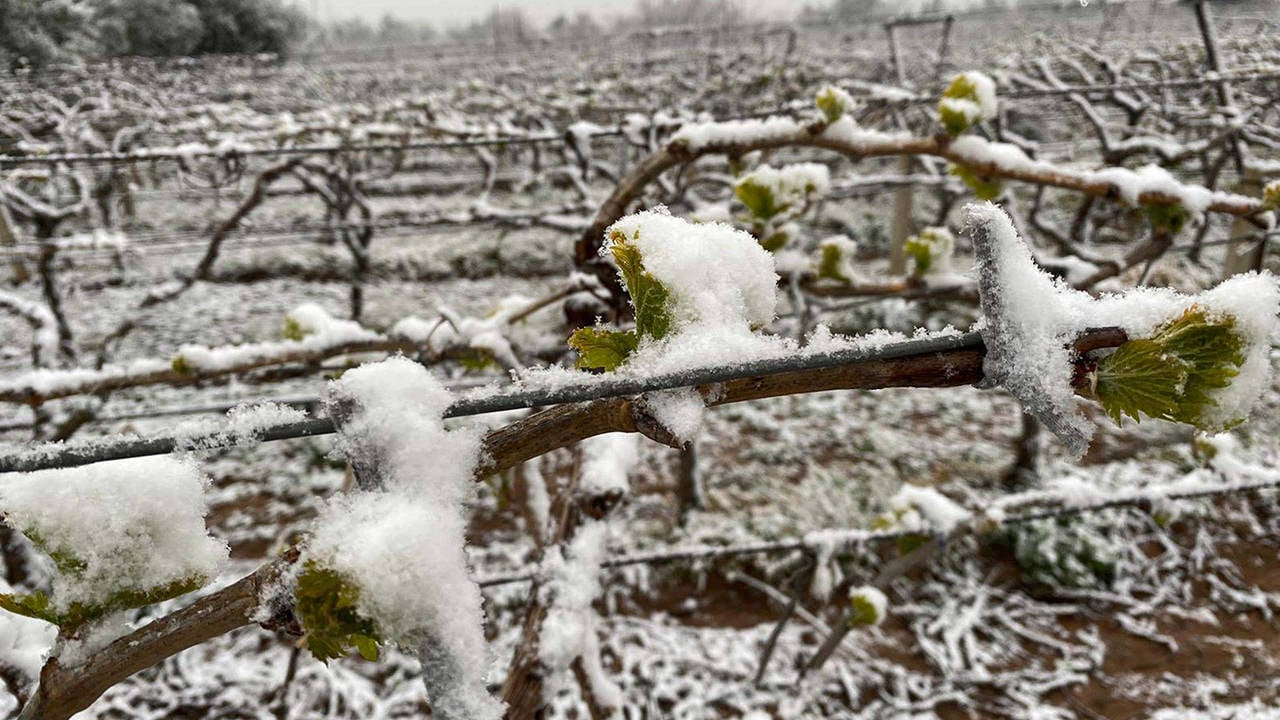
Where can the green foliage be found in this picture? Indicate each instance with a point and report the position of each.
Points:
(1065, 552)
(604, 349)
(775, 242)
(865, 611)
(829, 264)
(920, 253)
(832, 103)
(757, 198)
(1173, 374)
(40, 606)
(893, 521)
(182, 366)
(649, 298)
(984, 188)
(1271, 196)
(951, 114)
(1171, 218)
(36, 605)
(601, 348)
(479, 360)
(326, 603)
(293, 330)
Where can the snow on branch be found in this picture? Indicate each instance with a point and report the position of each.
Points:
(395, 550)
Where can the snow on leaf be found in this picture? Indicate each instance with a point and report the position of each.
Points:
(649, 297)
(869, 605)
(122, 534)
(833, 103)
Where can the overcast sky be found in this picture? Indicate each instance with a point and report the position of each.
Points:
(447, 13)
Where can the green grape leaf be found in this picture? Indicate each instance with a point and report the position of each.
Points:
(478, 360)
(864, 612)
(958, 105)
(831, 103)
(36, 605)
(1213, 352)
(601, 348)
(327, 605)
(983, 187)
(921, 254)
(829, 264)
(953, 121)
(649, 297)
(1271, 196)
(1173, 374)
(293, 330)
(1171, 218)
(1139, 378)
(757, 198)
(774, 242)
(182, 366)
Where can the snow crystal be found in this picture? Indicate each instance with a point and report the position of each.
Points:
(1031, 317)
(129, 524)
(244, 425)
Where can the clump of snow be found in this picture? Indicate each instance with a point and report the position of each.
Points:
(1032, 317)
(395, 423)
(402, 539)
(721, 283)
(926, 509)
(569, 629)
(700, 136)
(847, 132)
(791, 185)
(680, 411)
(320, 331)
(128, 525)
(607, 463)
(1130, 185)
(490, 334)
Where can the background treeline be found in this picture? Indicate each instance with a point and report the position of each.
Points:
(34, 33)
